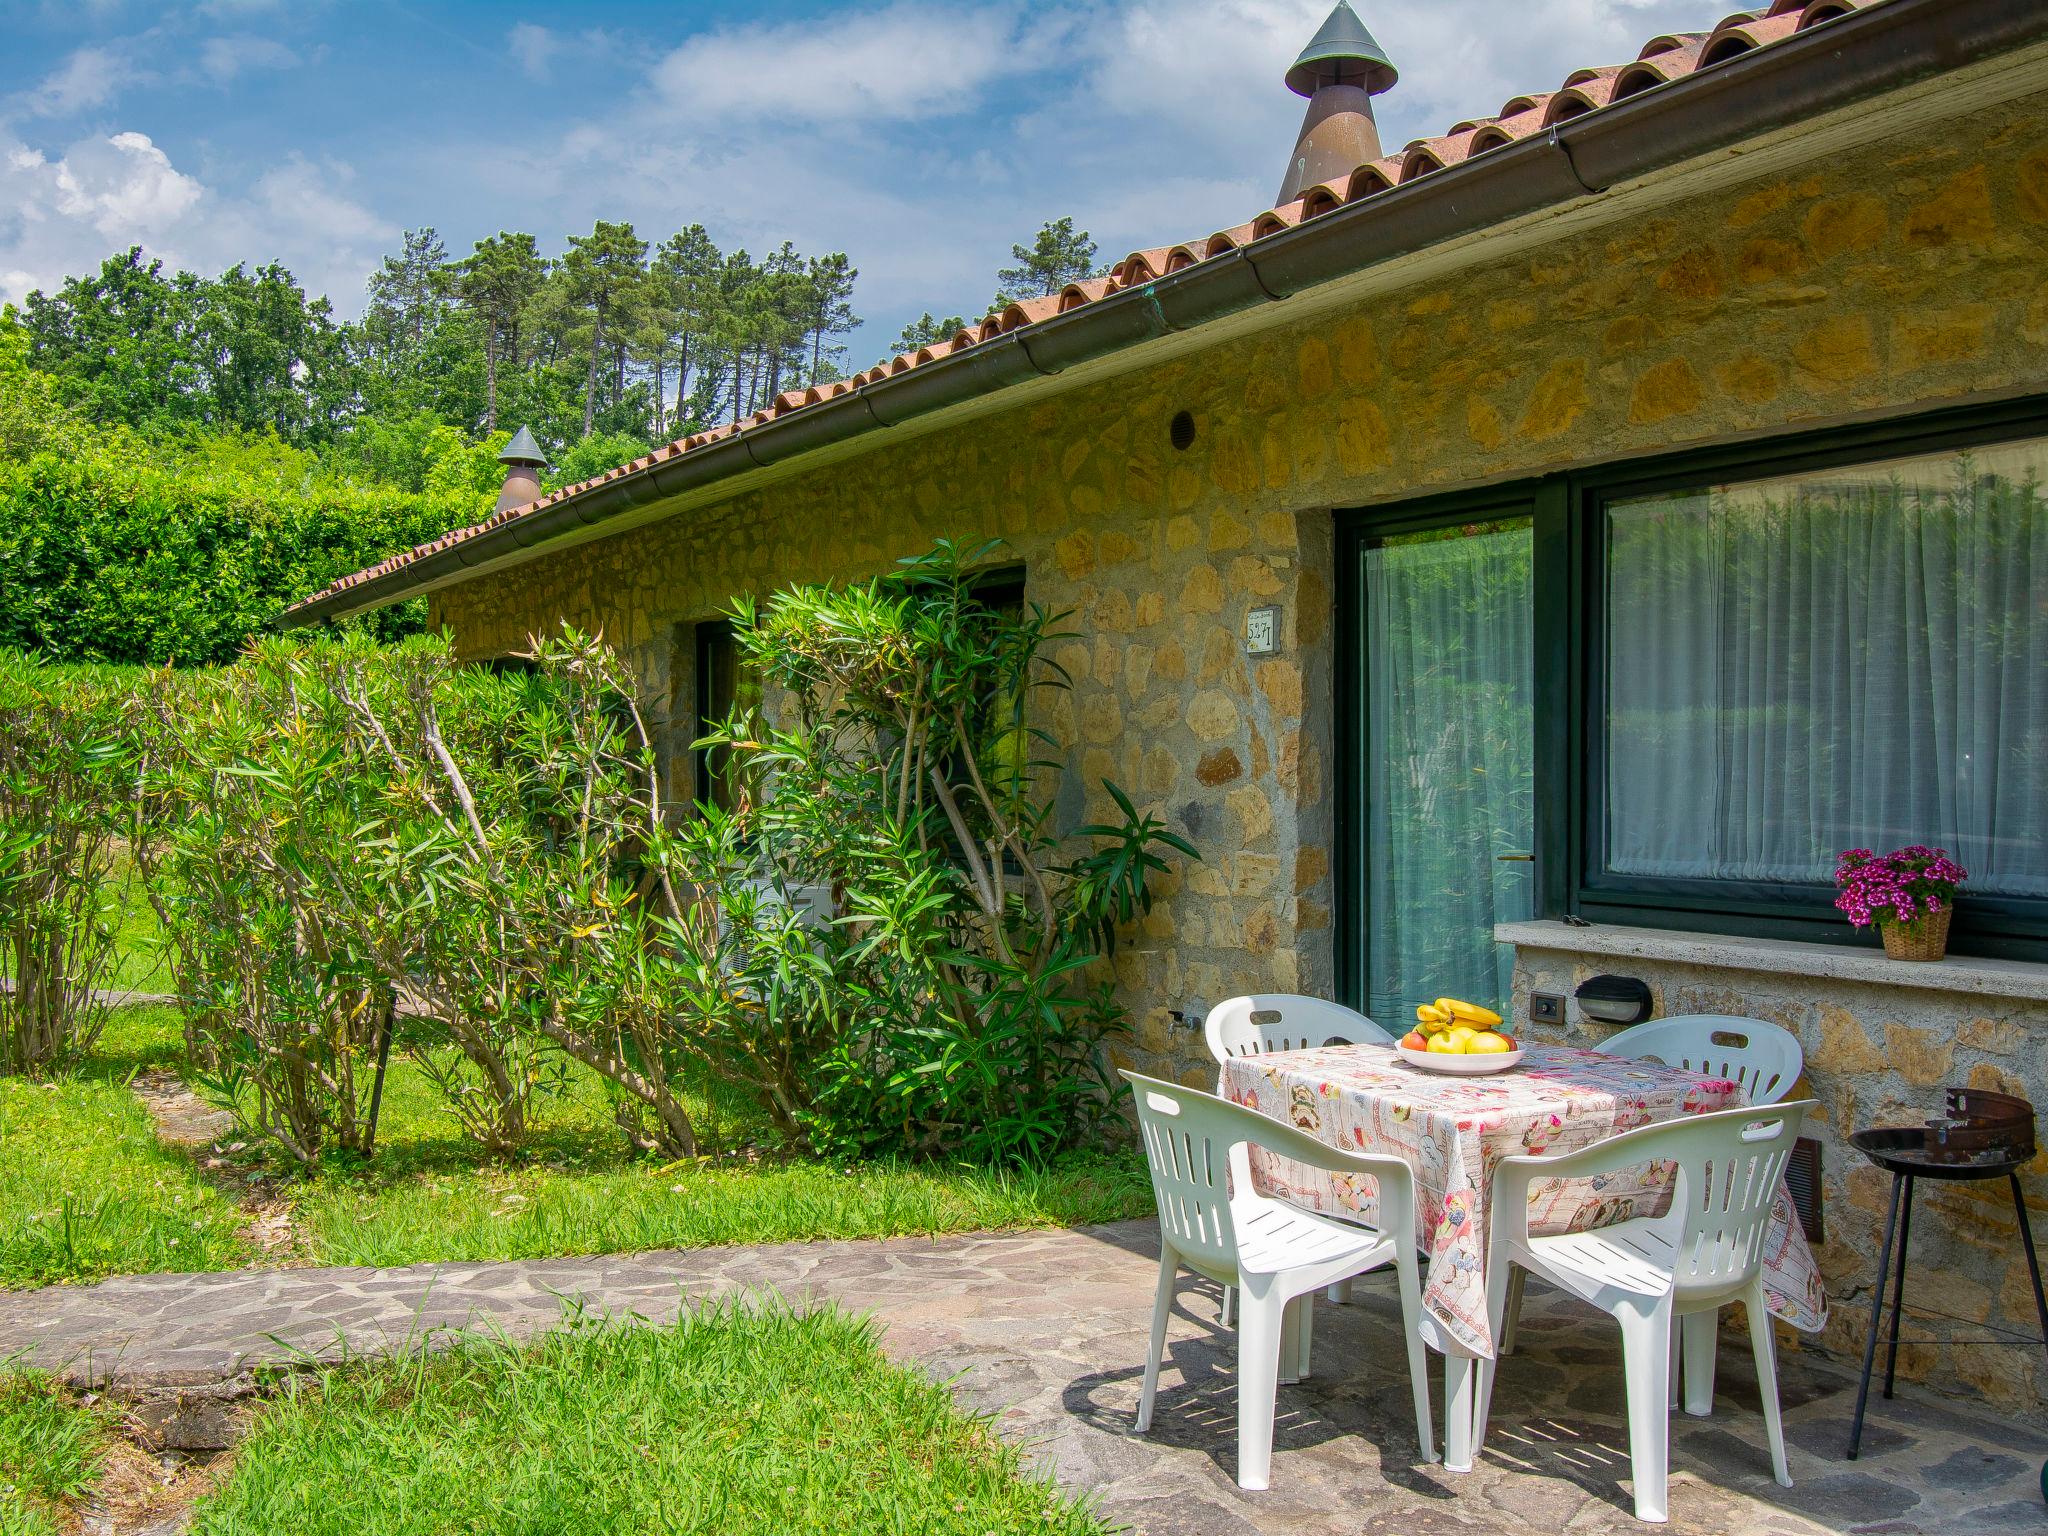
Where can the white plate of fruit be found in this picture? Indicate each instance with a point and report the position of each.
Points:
(1458, 1037)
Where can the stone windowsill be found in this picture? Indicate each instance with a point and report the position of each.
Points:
(1785, 957)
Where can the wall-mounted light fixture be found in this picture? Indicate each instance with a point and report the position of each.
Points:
(1615, 999)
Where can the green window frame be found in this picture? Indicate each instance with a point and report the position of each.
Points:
(1572, 643)
(716, 691)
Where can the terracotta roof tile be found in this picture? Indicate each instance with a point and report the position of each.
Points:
(1739, 34)
(1669, 57)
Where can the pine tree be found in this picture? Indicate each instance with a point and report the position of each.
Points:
(828, 307)
(409, 291)
(604, 269)
(496, 284)
(1060, 255)
(683, 297)
(924, 331)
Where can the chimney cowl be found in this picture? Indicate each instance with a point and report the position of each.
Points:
(1340, 72)
(523, 450)
(523, 463)
(1342, 52)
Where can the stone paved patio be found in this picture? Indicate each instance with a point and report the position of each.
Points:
(1046, 1330)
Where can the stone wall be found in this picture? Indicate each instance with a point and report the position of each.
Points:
(1906, 273)
(1878, 1053)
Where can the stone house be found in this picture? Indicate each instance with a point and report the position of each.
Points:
(1602, 513)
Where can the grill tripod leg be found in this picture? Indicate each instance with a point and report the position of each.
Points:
(1884, 1265)
(1891, 1355)
(2019, 1211)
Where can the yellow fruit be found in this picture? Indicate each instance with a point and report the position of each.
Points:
(1487, 1043)
(1468, 1013)
(1463, 1034)
(1429, 1013)
(1444, 1045)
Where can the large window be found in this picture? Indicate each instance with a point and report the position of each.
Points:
(1741, 661)
(1839, 658)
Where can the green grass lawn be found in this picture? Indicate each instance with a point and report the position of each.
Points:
(97, 1195)
(50, 1449)
(88, 1191)
(139, 965)
(732, 1421)
(579, 1188)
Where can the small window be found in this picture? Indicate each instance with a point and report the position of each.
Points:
(723, 684)
(1001, 591)
(1846, 657)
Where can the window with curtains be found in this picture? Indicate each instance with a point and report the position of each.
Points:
(1669, 692)
(1449, 789)
(1848, 656)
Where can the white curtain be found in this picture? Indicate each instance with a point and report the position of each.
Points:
(1448, 764)
(1848, 658)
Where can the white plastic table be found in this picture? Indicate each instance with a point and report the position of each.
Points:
(1453, 1130)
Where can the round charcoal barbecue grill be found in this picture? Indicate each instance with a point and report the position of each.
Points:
(1983, 1136)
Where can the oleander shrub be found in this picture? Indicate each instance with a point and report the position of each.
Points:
(961, 1000)
(66, 780)
(352, 830)
(519, 876)
(250, 788)
(360, 843)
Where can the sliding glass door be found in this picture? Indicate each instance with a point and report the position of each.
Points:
(1441, 803)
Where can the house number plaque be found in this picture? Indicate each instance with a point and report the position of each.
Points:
(1262, 632)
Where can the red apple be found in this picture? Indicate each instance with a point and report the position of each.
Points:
(1415, 1040)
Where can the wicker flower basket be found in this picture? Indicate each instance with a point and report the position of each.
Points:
(1924, 938)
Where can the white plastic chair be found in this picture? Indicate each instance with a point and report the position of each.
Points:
(1760, 1058)
(1281, 1021)
(1705, 1252)
(1279, 1255)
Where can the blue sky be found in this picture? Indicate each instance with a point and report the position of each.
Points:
(920, 136)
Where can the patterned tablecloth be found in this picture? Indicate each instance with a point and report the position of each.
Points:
(1453, 1130)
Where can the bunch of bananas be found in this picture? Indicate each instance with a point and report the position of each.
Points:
(1452, 1027)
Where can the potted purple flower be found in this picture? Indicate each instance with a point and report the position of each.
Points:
(1910, 894)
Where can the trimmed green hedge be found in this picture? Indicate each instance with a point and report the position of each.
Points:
(109, 557)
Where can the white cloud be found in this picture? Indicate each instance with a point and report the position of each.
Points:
(533, 47)
(309, 199)
(221, 59)
(88, 78)
(122, 186)
(100, 195)
(903, 62)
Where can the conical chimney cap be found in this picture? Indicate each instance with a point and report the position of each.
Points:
(523, 450)
(1343, 52)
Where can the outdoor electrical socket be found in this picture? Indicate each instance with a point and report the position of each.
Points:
(1546, 1008)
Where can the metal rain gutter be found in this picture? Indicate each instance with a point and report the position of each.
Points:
(1820, 70)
